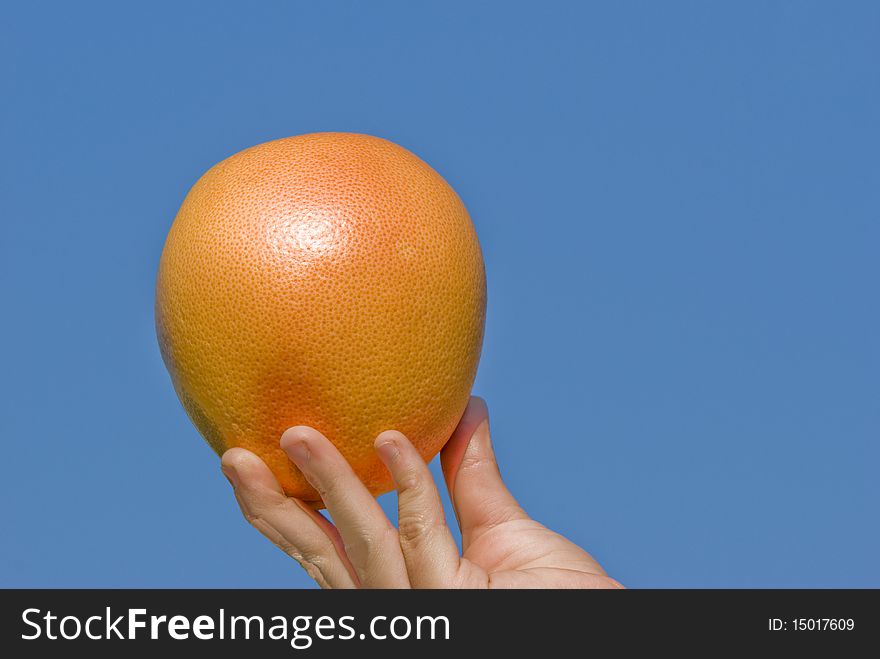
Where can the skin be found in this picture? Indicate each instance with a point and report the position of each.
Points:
(503, 547)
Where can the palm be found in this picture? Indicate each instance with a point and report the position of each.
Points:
(525, 554)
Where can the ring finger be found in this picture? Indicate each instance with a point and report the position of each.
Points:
(370, 539)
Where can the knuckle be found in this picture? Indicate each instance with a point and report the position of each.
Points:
(256, 522)
(410, 480)
(475, 463)
(414, 526)
(311, 560)
(315, 571)
(315, 560)
(255, 518)
(318, 551)
(260, 512)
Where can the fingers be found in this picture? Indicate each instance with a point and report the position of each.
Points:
(370, 540)
(287, 522)
(478, 494)
(429, 549)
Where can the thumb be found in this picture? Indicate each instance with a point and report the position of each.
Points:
(479, 496)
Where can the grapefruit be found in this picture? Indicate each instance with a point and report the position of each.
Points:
(332, 280)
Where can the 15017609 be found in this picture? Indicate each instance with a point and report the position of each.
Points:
(811, 624)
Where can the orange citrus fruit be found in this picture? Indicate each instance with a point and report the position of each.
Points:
(332, 280)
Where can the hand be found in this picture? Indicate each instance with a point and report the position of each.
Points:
(503, 547)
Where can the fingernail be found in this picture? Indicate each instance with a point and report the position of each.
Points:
(387, 451)
(231, 475)
(298, 452)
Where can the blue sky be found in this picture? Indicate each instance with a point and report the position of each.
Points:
(678, 204)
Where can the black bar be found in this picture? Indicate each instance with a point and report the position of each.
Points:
(508, 621)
